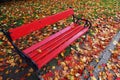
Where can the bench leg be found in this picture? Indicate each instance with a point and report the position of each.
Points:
(39, 76)
(84, 40)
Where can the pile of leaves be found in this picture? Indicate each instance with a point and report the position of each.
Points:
(70, 64)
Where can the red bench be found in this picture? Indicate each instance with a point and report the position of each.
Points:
(51, 46)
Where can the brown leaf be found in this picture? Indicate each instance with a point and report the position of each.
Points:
(30, 70)
(16, 71)
(1, 78)
(109, 75)
(39, 50)
(2, 69)
(28, 74)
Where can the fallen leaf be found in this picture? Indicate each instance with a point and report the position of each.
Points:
(115, 42)
(77, 74)
(93, 78)
(53, 67)
(16, 71)
(1, 78)
(62, 54)
(28, 74)
(30, 70)
(39, 51)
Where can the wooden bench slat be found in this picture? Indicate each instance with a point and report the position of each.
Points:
(46, 45)
(54, 44)
(25, 29)
(55, 52)
(62, 36)
(37, 45)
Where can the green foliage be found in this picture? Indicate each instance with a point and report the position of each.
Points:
(53, 62)
(70, 20)
(67, 51)
(2, 17)
(19, 22)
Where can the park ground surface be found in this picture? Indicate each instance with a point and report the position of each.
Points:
(75, 62)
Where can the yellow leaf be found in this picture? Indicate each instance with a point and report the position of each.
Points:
(115, 42)
(99, 66)
(6, 72)
(109, 66)
(77, 74)
(111, 51)
(53, 67)
(93, 78)
(72, 78)
(63, 63)
(118, 66)
(62, 54)
(65, 68)
(1, 33)
(56, 78)
(97, 60)
(84, 59)
(12, 64)
(77, 46)
(39, 50)
(117, 74)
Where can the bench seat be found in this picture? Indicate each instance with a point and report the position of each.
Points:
(42, 52)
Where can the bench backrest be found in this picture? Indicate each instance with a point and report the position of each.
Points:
(25, 29)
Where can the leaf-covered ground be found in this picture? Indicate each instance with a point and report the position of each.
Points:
(70, 64)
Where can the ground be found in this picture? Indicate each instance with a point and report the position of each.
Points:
(74, 62)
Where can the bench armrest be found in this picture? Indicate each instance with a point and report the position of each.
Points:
(77, 20)
(87, 23)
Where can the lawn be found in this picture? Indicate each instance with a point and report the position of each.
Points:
(71, 63)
